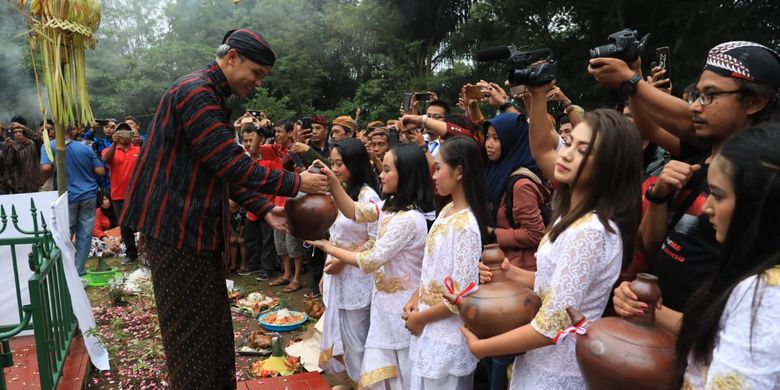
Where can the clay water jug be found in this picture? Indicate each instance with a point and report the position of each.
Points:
(310, 216)
(629, 353)
(498, 306)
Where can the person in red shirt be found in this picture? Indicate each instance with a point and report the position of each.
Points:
(261, 253)
(105, 239)
(121, 158)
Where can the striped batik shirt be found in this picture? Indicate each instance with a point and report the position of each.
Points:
(190, 165)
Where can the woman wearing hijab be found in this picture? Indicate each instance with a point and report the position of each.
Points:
(517, 223)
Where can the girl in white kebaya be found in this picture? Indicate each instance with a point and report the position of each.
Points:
(395, 259)
(597, 206)
(347, 290)
(438, 354)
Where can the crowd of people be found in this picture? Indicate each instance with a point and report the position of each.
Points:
(684, 188)
(100, 158)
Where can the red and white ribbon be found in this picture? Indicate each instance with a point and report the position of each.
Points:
(470, 289)
(578, 328)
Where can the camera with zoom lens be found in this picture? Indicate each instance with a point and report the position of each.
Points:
(623, 45)
(524, 67)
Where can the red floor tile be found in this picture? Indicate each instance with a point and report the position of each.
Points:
(304, 381)
(24, 373)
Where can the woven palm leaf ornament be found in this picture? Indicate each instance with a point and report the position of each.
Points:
(60, 33)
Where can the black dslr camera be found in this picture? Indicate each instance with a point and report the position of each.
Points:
(524, 67)
(623, 45)
(267, 132)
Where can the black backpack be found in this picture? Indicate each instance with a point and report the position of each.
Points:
(525, 173)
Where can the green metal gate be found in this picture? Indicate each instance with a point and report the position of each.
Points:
(50, 308)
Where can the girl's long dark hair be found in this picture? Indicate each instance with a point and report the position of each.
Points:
(615, 190)
(355, 157)
(752, 162)
(464, 152)
(415, 190)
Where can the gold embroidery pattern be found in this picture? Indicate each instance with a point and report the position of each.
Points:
(459, 221)
(390, 285)
(376, 376)
(366, 263)
(356, 247)
(550, 323)
(730, 381)
(366, 212)
(431, 295)
(385, 222)
(438, 230)
(686, 384)
(772, 276)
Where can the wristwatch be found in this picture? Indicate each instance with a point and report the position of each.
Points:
(423, 119)
(656, 199)
(506, 105)
(424, 148)
(628, 87)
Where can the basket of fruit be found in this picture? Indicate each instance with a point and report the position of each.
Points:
(282, 320)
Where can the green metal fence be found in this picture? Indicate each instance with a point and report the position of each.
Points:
(50, 308)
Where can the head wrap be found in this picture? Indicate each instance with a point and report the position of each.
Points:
(320, 119)
(346, 122)
(375, 124)
(745, 60)
(512, 130)
(250, 45)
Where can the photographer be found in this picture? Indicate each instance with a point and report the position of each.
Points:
(736, 89)
(21, 159)
(450, 126)
(491, 93)
(312, 143)
(121, 159)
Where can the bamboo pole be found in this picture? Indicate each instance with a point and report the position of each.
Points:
(62, 175)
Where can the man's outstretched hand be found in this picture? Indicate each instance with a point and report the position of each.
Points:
(276, 218)
(313, 183)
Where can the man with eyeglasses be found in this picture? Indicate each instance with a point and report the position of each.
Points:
(437, 109)
(737, 88)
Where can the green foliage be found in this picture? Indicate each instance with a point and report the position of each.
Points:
(334, 55)
(272, 106)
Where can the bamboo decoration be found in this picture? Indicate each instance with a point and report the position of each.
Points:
(60, 32)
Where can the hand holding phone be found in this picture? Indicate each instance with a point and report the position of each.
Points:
(662, 58)
(406, 103)
(422, 96)
(306, 123)
(473, 92)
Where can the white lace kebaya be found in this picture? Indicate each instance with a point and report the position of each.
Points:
(577, 270)
(740, 361)
(453, 249)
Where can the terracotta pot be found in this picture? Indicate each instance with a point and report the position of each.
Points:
(629, 353)
(310, 216)
(499, 306)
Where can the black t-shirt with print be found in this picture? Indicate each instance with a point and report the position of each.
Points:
(688, 255)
